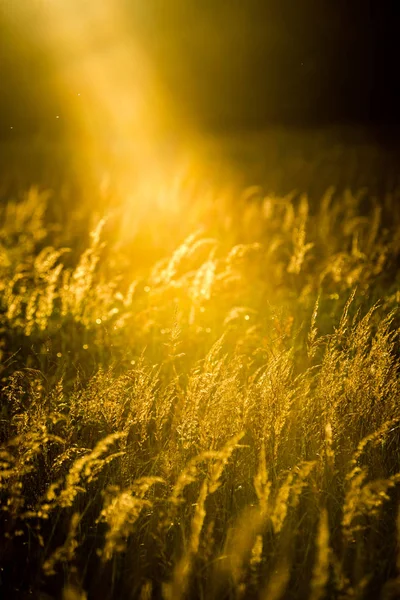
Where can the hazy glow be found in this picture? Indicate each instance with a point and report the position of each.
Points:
(116, 108)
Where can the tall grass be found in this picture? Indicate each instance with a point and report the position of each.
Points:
(215, 417)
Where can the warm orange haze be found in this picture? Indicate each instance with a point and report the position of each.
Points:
(199, 327)
(110, 95)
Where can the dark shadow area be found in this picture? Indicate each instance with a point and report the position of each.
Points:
(233, 66)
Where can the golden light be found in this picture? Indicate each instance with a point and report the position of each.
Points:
(138, 157)
(119, 114)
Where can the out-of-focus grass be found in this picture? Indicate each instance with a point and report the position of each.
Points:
(199, 383)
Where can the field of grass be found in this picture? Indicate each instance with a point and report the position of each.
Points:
(199, 393)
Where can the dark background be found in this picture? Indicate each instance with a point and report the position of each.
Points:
(234, 65)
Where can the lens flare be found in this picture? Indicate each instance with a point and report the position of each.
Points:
(118, 113)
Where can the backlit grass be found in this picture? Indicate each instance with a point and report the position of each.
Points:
(200, 395)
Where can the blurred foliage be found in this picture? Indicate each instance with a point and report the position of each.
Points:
(199, 393)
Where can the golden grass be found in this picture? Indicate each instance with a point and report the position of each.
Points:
(221, 424)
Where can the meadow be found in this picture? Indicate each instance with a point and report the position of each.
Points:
(199, 394)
